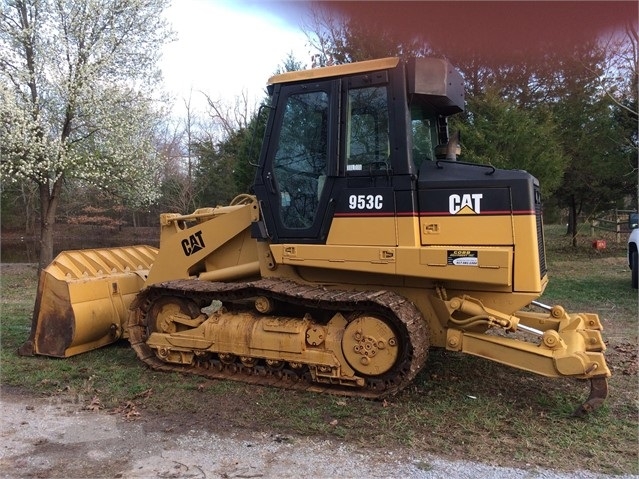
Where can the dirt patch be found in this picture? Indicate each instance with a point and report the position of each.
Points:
(60, 438)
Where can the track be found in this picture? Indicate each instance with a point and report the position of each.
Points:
(405, 318)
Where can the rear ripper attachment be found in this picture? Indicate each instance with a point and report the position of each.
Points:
(568, 345)
(275, 332)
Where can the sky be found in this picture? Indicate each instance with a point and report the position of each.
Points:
(226, 47)
(229, 47)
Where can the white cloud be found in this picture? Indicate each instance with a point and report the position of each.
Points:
(225, 48)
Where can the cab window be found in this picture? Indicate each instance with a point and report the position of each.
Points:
(300, 162)
(367, 135)
(424, 131)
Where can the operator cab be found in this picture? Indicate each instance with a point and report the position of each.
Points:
(347, 140)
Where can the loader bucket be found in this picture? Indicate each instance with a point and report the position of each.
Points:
(84, 297)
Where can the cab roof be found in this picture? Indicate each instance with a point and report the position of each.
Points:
(335, 70)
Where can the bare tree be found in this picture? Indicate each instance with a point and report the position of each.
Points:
(337, 37)
(230, 117)
(621, 78)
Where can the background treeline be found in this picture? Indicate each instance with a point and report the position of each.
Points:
(571, 120)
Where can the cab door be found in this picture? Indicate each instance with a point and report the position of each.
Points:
(299, 167)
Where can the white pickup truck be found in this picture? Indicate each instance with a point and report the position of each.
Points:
(633, 254)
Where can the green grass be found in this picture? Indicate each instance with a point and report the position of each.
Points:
(586, 277)
(459, 406)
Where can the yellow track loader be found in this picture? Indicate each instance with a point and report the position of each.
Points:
(365, 242)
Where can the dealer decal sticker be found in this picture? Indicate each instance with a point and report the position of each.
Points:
(462, 258)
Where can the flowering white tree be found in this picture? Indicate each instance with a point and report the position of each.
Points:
(77, 97)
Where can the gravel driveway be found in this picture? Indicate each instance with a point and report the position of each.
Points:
(51, 438)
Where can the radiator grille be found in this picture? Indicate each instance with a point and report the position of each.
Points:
(540, 234)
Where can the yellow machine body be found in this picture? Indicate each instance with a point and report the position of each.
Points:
(358, 251)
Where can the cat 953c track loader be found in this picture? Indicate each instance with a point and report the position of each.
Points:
(363, 244)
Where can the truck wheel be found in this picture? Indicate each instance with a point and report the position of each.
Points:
(634, 264)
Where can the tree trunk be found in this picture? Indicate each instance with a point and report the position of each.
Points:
(49, 199)
(572, 221)
(48, 206)
(29, 198)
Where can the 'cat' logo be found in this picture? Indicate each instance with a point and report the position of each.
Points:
(467, 204)
(193, 243)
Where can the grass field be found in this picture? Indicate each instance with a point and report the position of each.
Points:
(458, 407)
